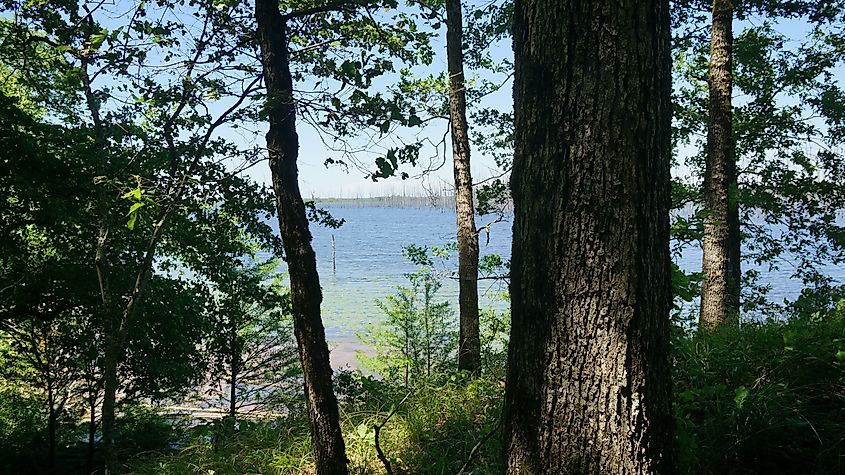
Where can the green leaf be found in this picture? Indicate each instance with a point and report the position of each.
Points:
(740, 396)
(349, 69)
(131, 223)
(133, 194)
(97, 39)
(133, 214)
(135, 207)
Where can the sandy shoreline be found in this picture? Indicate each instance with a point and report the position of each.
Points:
(343, 352)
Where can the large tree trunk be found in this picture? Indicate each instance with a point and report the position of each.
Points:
(283, 146)
(469, 349)
(588, 387)
(720, 286)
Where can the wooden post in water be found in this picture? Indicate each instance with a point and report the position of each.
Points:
(334, 253)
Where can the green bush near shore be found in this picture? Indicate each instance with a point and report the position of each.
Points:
(429, 429)
(22, 429)
(765, 398)
(768, 397)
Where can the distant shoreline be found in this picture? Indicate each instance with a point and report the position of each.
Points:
(446, 201)
(398, 201)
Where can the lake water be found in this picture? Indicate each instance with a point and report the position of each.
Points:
(369, 264)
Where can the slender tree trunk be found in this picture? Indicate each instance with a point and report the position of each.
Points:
(92, 432)
(110, 386)
(116, 328)
(115, 341)
(720, 286)
(283, 145)
(428, 339)
(408, 355)
(102, 267)
(51, 425)
(233, 394)
(233, 375)
(469, 349)
(588, 385)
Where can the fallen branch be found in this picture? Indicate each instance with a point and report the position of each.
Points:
(379, 427)
(478, 446)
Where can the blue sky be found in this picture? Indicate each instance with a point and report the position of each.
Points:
(318, 181)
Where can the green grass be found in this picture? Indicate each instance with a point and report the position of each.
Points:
(432, 432)
(765, 398)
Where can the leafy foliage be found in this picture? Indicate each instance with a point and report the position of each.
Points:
(22, 428)
(418, 340)
(433, 430)
(787, 125)
(140, 123)
(764, 398)
(251, 344)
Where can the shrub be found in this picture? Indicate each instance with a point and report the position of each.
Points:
(765, 398)
(417, 341)
(23, 430)
(267, 447)
(146, 429)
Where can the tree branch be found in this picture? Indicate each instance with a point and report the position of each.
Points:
(329, 7)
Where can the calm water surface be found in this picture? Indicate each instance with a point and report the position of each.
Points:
(369, 262)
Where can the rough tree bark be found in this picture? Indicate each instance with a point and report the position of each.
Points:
(588, 388)
(720, 286)
(283, 146)
(469, 349)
